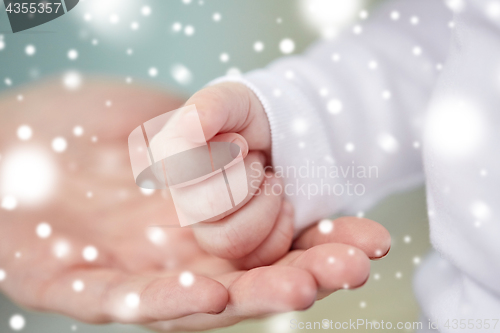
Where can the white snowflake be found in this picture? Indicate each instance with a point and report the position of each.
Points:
(61, 249)
(456, 5)
(372, 64)
(153, 72)
(493, 9)
(186, 279)
(30, 50)
(72, 80)
(132, 300)
(17, 322)
(388, 143)
(156, 235)
(325, 226)
(224, 57)
(258, 46)
(334, 106)
(78, 131)
(181, 74)
(189, 30)
(90, 253)
(59, 144)
(72, 54)
(287, 46)
(78, 286)
(114, 18)
(9, 202)
(176, 27)
(386, 94)
(349, 147)
(395, 15)
(480, 210)
(336, 57)
(24, 132)
(44, 230)
(300, 126)
(146, 10)
(233, 71)
(357, 29)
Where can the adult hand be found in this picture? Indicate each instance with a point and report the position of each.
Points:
(142, 273)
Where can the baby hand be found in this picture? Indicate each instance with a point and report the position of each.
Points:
(258, 230)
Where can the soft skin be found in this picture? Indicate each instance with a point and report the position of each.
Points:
(116, 218)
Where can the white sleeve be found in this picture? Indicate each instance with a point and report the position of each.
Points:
(462, 164)
(346, 115)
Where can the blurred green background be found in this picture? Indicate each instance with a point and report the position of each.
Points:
(134, 45)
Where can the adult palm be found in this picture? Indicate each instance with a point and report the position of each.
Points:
(143, 273)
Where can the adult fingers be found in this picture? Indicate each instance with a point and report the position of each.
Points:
(111, 295)
(367, 235)
(308, 275)
(334, 266)
(64, 275)
(86, 107)
(259, 292)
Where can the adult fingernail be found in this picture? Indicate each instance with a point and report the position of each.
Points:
(216, 313)
(379, 257)
(310, 305)
(364, 282)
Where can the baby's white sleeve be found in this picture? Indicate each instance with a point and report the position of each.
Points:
(462, 164)
(346, 115)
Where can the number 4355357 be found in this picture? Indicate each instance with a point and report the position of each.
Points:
(32, 8)
(471, 324)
